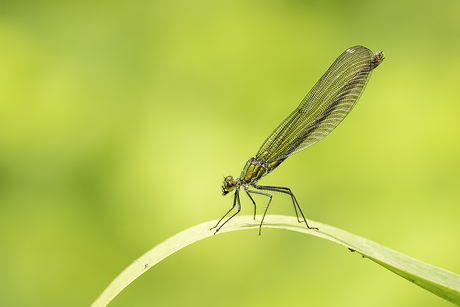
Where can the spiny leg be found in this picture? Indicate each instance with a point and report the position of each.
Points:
(234, 204)
(286, 191)
(235, 200)
(253, 203)
(294, 200)
(266, 209)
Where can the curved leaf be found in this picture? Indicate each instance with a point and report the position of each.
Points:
(436, 280)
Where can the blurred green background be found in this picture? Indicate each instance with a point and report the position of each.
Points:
(118, 120)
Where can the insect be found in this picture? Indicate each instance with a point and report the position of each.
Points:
(144, 265)
(323, 109)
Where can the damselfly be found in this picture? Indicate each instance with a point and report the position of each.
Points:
(324, 107)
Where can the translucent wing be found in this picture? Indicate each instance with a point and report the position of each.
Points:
(324, 107)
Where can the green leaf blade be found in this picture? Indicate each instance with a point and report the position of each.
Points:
(443, 283)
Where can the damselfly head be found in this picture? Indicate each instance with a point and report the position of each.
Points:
(377, 59)
(229, 185)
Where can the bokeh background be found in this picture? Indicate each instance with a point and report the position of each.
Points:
(118, 120)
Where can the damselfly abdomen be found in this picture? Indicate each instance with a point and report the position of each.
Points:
(324, 107)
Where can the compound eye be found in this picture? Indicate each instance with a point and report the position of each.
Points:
(228, 185)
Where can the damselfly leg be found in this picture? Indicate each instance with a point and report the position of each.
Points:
(235, 201)
(283, 190)
(255, 207)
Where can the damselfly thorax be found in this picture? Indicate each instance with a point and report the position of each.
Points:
(253, 170)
